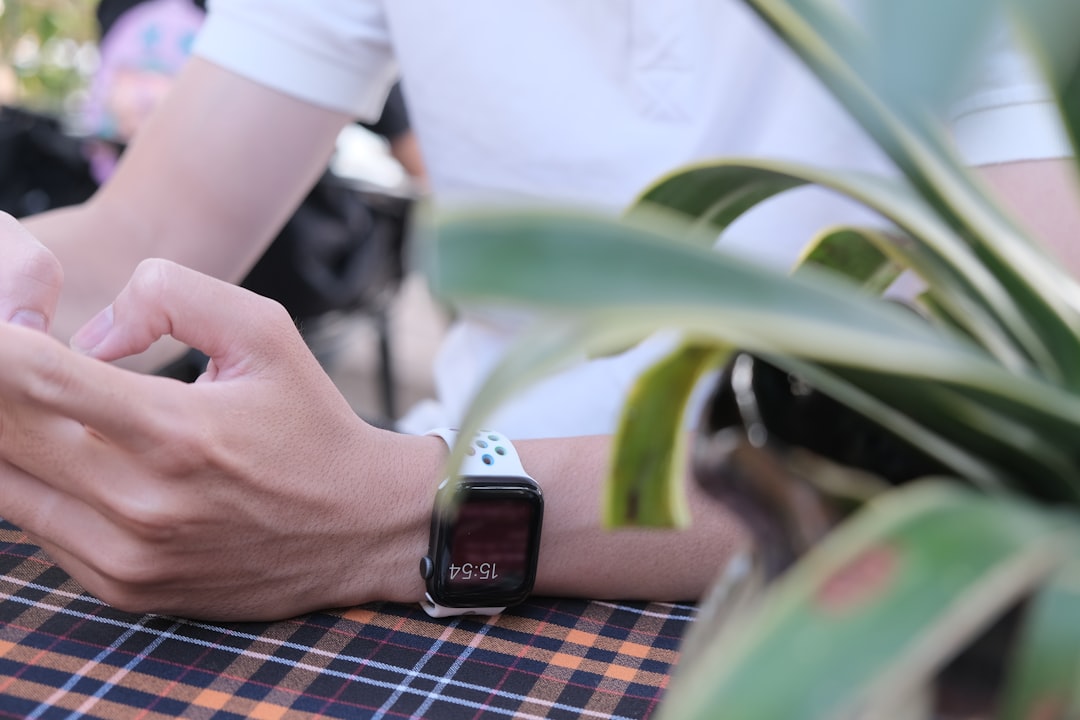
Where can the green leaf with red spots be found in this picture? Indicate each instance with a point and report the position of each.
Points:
(877, 608)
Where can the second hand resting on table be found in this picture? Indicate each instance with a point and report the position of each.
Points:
(256, 493)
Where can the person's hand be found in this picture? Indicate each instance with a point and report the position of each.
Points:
(30, 277)
(253, 493)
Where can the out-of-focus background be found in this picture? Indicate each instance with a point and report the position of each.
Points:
(380, 360)
(48, 51)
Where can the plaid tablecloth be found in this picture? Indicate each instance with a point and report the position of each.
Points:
(63, 654)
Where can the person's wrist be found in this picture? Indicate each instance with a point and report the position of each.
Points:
(395, 481)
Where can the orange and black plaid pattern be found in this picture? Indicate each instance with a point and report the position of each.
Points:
(63, 654)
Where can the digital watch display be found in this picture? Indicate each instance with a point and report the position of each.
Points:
(485, 533)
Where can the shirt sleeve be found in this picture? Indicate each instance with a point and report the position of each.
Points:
(1008, 113)
(332, 53)
(394, 121)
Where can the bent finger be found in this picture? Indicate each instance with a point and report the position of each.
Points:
(233, 326)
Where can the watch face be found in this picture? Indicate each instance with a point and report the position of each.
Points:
(486, 544)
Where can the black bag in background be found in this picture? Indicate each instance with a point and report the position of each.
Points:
(41, 167)
(342, 250)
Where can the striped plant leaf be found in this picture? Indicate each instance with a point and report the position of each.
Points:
(860, 626)
(922, 77)
(876, 608)
(547, 261)
(1008, 445)
(962, 281)
(650, 283)
(1044, 681)
(863, 255)
(644, 486)
(917, 144)
(875, 259)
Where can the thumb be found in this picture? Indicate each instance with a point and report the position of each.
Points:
(30, 275)
(229, 324)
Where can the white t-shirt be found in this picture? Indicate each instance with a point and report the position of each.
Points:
(585, 103)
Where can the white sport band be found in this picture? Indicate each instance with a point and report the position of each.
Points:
(489, 453)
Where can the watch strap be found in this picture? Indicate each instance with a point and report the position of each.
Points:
(488, 453)
(435, 610)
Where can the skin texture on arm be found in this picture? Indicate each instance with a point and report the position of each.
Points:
(578, 558)
(406, 150)
(209, 179)
(1044, 196)
(256, 493)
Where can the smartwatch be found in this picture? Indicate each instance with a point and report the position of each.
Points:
(485, 531)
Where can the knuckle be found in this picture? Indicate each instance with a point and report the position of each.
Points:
(190, 450)
(152, 278)
(49, 378)
(149, 516)
(129, 577)
(41, 266)
(129, 573)
(273, 311)
(34, 261)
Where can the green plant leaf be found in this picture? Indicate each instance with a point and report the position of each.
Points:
(916, 141)
(1043, 680)
(927, 301)
(569, 264)
(1007, 443)
(862, 255)
(872, 612)
(649, 283)
(923, 51)
(707, 202)
(962, 282)
(645, 483)
(875, 259)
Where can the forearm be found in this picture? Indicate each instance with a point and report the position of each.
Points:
(578, 557)
(1045, 197)
(206, 183)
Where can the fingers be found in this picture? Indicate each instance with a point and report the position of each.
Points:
(30, 277)
(45, 388)
(90, 547)
(242, 332)
(233, 326)
(45, 512)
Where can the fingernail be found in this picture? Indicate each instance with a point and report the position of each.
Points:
(92, 333)
(30, 319)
